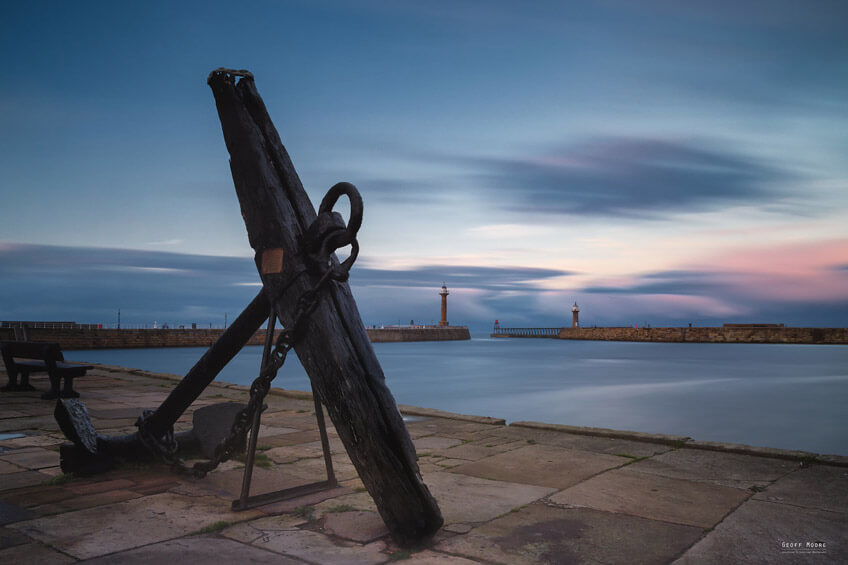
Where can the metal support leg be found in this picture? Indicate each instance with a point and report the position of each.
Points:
(325, 442)
(246, 501)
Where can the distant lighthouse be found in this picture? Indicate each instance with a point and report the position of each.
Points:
(575, 313)
(444, 294)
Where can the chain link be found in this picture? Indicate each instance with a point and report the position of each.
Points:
(324, 236)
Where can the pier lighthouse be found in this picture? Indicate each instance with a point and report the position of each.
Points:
(444, 294)
(575, 313)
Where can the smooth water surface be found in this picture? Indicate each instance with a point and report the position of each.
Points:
(787, 396)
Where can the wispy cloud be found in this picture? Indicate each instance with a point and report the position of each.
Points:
(88, 284)
(486, 278)
(509, 231)
(165, 242)
(633, 177)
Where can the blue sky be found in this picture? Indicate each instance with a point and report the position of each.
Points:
(658, 162)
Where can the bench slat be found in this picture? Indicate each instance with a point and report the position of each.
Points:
(73, 366)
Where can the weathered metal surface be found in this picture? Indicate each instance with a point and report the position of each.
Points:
(74, 421)
(211, 424)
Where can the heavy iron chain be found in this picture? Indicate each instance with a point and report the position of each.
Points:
(326, 234)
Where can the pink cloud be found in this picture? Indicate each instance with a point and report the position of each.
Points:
(797, 272)
(798, 259)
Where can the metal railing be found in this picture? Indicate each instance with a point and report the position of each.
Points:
(525, 332)
(49, 325)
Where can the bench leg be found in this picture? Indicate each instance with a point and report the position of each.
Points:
(54, 389)
(25, 382)
(13, 382)
(68, 391)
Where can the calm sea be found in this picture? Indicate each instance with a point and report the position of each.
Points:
(787, 396)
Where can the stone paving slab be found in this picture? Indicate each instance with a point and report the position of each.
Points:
(126, 525)
(33, 458)
(313, 470)
(497, 443)
(6, 468)
(11, 538)
(446, 464)
(655, 497)
(266, 431)
(542, 465)
(36, 495)
(471, 451)
(756, 532)
(228, 484)
(306, 501)
(285, 440)
(300, 421)
(458, 429)
(52, 471)
(608, 445)
(427, 557)
(23, 479)
(806, 487)
(33, 441)
(357, 525)
(541, 534)
(290, 453)
(729, 469)
(248, 532)
(465, 498)
(99, 486)
(34, 553)
(195, 549)
(45, 422)
(749, 450)
(429, 444)
(287, 454)
(85, 501)
(318, 548)
(604, 432)
(360, 500)
(337, 448)
(10, 513)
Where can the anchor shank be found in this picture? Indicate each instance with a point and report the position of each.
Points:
(208, 367)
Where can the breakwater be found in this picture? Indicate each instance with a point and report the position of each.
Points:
(831, 336)
(93, 338)
(84, 338)
(443, 333)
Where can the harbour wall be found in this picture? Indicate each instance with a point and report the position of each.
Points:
(443, 333)
(80, 338)
(831, 336)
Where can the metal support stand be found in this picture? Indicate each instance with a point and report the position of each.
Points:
(246, 501)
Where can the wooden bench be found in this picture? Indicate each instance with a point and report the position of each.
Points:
(27, 357)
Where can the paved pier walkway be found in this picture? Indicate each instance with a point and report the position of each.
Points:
(524, 493)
